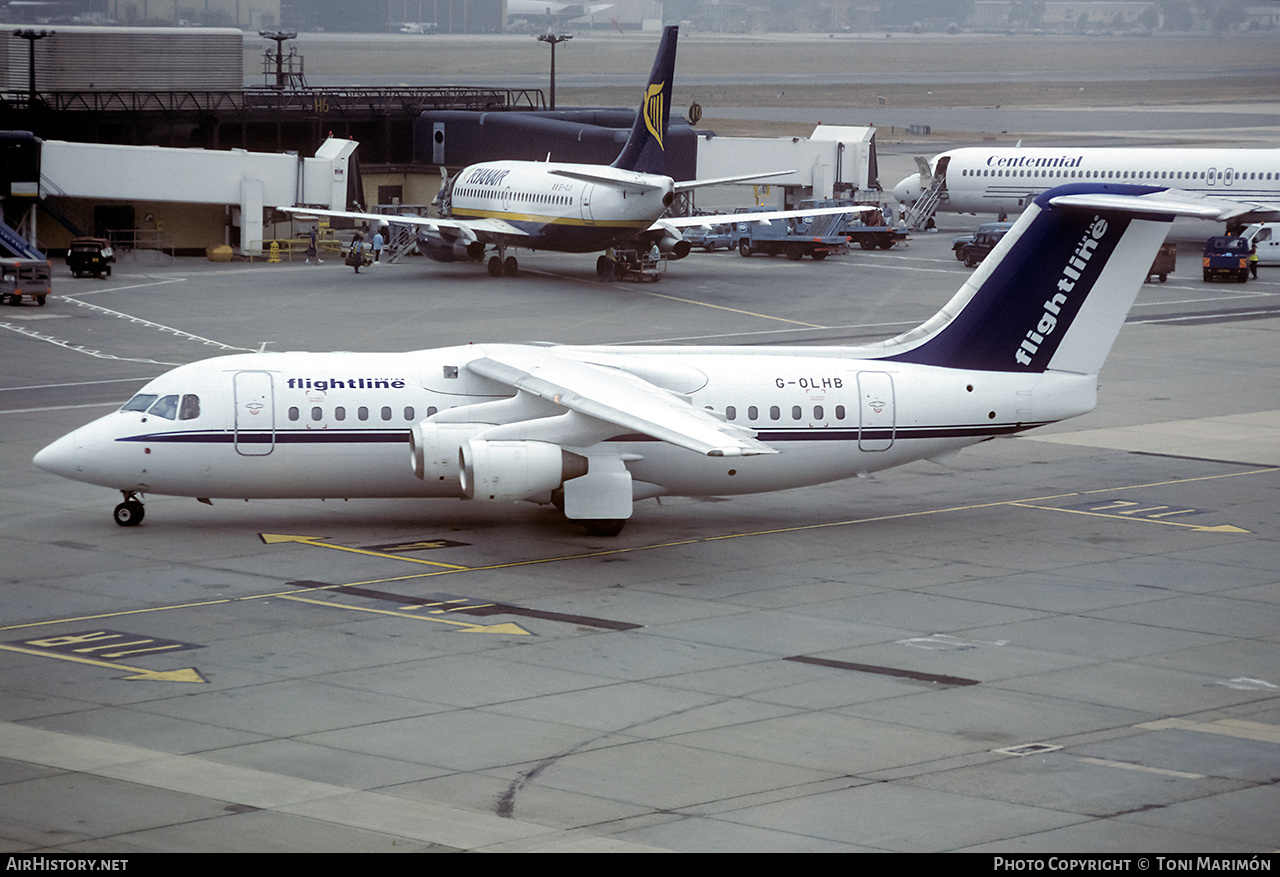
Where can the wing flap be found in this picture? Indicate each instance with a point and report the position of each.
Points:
(488, 230)
(616, 397)
(675, 222)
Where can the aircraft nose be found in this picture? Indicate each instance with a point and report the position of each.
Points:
(59, 457)
(908, 190)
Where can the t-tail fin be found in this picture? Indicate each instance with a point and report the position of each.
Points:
(1055, 291)
(645, 147)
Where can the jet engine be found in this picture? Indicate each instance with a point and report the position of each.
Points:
(505, 471)
(433, 449)
(674, 247)
(456, 249)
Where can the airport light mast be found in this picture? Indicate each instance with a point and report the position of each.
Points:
(31, 35)
(554, 38)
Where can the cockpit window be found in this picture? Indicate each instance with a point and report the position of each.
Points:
(190, 409)
(140, 402)
(167, 408)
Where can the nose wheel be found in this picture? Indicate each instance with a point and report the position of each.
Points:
(130, 512)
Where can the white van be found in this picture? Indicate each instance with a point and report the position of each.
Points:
(1266, 236)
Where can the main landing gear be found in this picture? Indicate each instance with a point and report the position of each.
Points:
(503, 265)
(130, 512)
(604, 526)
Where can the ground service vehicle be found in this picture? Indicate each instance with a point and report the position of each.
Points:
(864, 224)
(1266, 237)
(1226, 257)
(711, 239)
(818, 238)
(90, 256)
(24, 277)
(959, 241)
(1164, 262)
(983, 243)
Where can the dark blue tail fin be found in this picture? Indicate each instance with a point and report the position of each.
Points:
(1056, 290)
(645, 148)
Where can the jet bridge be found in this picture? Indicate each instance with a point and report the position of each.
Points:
(248, 182)
(834, 161)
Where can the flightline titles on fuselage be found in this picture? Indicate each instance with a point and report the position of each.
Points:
(346, 384)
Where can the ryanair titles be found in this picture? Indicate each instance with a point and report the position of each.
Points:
(1076, 263)
(487, 176)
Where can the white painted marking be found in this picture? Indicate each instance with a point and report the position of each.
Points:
(944, 642)
(1144, 769)
(1244, 683)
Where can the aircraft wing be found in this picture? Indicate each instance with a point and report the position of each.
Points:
(604, 180)
(615, 397)
(487, 230)
(680, 222)
(1228, 209)
(688, 185)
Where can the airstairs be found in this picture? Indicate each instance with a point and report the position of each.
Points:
(933, 191)
(15, 245)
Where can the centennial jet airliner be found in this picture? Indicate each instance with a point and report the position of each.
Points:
(591, 429)
(572, 208)
(1243, 184)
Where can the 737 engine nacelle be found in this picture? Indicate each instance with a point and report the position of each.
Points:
(506, 471)
(674, 247)
(456, 249)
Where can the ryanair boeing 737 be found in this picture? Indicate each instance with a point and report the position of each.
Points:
(572, 208)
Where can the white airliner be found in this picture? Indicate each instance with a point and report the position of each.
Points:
(572, 208)
(1244, 184)
(591, 429)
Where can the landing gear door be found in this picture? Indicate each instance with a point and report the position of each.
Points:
(875, 411)
(255, 430)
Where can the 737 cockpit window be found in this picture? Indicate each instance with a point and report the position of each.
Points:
(190, 409)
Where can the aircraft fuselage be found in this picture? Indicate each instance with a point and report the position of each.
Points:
(995, 179)
(328, 425)
(559, 207)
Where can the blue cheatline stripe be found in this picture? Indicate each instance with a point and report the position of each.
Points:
(781, 434)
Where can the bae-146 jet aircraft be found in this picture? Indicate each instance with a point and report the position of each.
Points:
(1243, 184)
(572, 208)
(594, 428)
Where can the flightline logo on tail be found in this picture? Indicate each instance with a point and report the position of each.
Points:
(1076, 264)
(653, 112)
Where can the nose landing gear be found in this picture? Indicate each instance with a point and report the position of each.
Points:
(130, 512)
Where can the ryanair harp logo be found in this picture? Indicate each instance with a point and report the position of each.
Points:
(653, 112)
